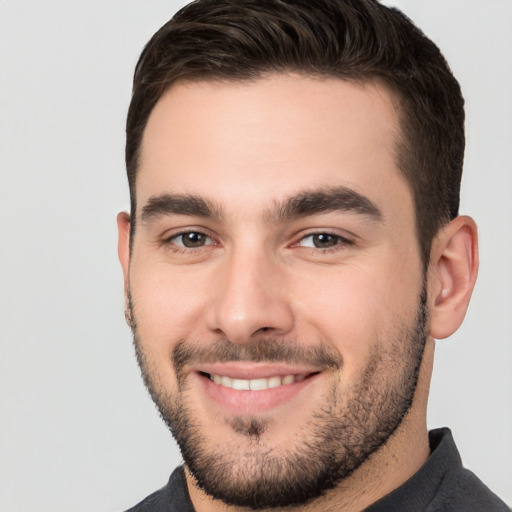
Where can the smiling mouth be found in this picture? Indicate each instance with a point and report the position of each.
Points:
(259, 384)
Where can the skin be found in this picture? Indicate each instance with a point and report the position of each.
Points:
(245, 148)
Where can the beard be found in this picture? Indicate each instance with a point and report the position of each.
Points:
(350, 424)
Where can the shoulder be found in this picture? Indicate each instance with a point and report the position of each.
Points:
(463, 491)
(441, 485)
(459, 488)
(173, 497)
(153, 503)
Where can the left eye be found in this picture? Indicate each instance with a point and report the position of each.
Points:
(191, 239)
(322, 241)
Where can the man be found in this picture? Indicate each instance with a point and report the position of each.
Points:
(293, 250)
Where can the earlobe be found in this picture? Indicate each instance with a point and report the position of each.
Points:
(123, 243)
(452, 272)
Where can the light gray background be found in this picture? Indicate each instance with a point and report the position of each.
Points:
(77, 431)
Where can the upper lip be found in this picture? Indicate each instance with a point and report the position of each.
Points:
(252, 370)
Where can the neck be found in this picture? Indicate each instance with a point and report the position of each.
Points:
(385, 470)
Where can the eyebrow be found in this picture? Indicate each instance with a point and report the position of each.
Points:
(178, 204)
(301, 205)
(324, 200)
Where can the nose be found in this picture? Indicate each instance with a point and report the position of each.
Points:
(250, 299)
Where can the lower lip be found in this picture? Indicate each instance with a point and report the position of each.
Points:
(250, 402)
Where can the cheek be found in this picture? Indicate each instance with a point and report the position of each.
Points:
(357, 309)
(167, 304)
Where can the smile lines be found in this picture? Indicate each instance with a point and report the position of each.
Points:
(256, 384)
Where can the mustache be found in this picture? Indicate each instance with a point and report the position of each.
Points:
(262, 350)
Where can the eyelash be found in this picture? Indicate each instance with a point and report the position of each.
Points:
(340, 242)
(170, 241)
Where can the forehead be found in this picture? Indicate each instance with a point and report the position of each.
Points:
(244, 142)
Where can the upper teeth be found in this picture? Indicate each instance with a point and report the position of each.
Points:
(256, 384)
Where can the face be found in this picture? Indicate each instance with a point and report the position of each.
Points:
(275, 284)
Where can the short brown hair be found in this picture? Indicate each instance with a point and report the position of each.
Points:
(355, 40)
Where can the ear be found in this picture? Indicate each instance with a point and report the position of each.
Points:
(452, 274)
(123, 244)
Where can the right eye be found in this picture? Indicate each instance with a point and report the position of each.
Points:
(190, 239)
